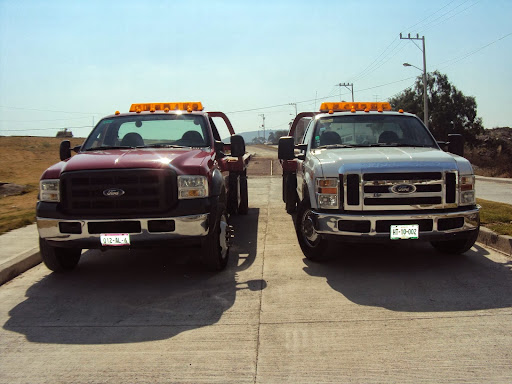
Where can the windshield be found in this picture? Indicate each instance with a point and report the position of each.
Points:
(363, 130)
(155, 130)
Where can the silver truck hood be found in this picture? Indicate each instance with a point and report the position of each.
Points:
(388, 159)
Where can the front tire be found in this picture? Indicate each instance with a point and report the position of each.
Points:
(456, 247)
(313, 244)
(215, 247)
(57, 259)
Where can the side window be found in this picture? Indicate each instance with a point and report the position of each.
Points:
(300, 130)
(309, 133)
(220, 129)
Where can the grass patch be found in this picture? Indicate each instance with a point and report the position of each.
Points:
(17, 211)
(496, 216)
(24, 159)
(20, 220)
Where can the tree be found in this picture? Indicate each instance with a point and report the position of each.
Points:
(449, 110)
(257, 140)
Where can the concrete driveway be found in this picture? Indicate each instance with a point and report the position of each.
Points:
(371, 314)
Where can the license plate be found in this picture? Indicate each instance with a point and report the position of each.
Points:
(115, 239)
(401, 232)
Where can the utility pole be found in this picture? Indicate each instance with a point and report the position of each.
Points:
(346, 85)
(425, 96)
(295, 105)
(263, 125)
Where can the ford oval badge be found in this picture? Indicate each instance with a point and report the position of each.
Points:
(113, 192)
(403, 188)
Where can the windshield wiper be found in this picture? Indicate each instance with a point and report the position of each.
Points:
(328, 146)
(165, 146)
(105, 147)
(398, 145)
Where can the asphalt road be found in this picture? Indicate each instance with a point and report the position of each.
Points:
(499, 190)
(372, 314)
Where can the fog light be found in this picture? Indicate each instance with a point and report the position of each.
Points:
(467, 197)
(70, 227)
(328, 201)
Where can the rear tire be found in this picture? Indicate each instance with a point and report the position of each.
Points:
(243, 208)
(313, 245)
(291, 193)
(215, 247)
(456, 247)
(232, 194)
(57, 259)
(284, 187)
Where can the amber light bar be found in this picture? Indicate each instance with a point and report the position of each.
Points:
(188, 106)
(359, 106)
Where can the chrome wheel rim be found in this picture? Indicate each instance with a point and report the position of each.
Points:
(308, 229)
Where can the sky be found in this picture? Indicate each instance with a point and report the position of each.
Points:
(67, 64)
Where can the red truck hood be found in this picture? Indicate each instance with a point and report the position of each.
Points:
(184, 161)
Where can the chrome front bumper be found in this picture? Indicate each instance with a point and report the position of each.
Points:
(184, 227)
(326, 223)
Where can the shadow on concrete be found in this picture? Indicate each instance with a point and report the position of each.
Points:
(123, 296)
(413, 277)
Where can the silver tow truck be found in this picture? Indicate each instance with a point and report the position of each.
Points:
(362, 172)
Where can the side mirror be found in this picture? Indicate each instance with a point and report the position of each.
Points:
(237, 146)
(76, 148)
(65, 150)
(456, 144)
(285, 149)
(219, 149)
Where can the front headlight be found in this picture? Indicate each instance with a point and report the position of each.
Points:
(192, 187)
(467, 190)
(49, 190)
(327, 193)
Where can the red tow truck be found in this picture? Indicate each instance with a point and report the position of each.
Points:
(154, 176)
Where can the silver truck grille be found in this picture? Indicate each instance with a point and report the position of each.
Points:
(399, 191)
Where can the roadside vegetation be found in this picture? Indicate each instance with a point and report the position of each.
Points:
(496, 216)
(23, 161)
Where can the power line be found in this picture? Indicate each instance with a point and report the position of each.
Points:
(428, 17)
(367, 69)
(321, 98)
(37, 121)
(456, 60)
(48, 110)
(43, 129)
(432, 25)
(397, 46)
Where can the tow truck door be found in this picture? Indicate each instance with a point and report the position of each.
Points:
(302, 159)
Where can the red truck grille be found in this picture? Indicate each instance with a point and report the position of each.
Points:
(125, 192)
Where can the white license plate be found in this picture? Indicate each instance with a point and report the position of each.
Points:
(400, 232)
(115, 239)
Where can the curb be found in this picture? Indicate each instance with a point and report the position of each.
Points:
(495, 179)
(497, 242)
(21, 263)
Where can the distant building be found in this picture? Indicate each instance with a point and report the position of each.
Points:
(64, 133)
